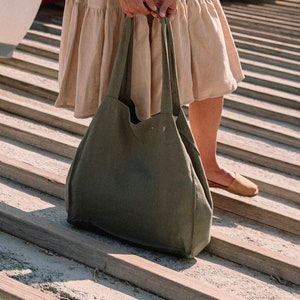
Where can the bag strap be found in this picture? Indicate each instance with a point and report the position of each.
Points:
(120, 81)
(170, 101)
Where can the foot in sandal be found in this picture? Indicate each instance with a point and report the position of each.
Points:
(240, 185)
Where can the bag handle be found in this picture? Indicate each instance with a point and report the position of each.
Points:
(170, 102)
(120, 81)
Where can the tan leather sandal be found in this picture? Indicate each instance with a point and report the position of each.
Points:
(240, 186)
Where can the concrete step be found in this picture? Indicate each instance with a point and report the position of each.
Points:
(59, 142)
(255, 20)
(45, 112)
(48, 273)
(269, 41)
(35, 84)
(48, 88)
(262, 108)
(47, 38)
(37, 109)
(267, 68)
(273, 82)
(281, 132)
(33, 64)
(267, 49)
(270, 181)
(48, 67)
(278, 11)
(276, 15)
(39, 48)
(270, 59)
(47, 171)
(259, 151)
(263, 24)
(254, 34)
(41, 136)
(230, 142)
(41, 25)
(40, 109)
(272, 95)
(49, 214)
(12, 289)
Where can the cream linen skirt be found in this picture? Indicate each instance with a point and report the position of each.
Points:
(208, 65)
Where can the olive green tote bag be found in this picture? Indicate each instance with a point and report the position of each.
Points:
(141, 181)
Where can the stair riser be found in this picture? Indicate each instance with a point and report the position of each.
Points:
(218, 247)
(43, 39)
(268, 11)
(38, 52)
(265, 161)
(38, 141)
(275, 98)
(261, 26)
(271, 72)
(261, 132)
(259, 111)
(240, 29)
(268, 50)
(44, 27)
(276, 85)
(281, 192)
(32, 68)
(43, 183)
(266, 43)
(43, 117)
(29, 88)
(287, 64)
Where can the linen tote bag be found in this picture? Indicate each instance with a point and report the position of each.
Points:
(141, 181)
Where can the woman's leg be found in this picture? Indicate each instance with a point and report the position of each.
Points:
(205, 118)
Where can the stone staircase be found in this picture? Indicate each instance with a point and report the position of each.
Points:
(254, 252)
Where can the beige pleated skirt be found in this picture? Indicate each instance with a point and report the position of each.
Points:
(208, 65)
